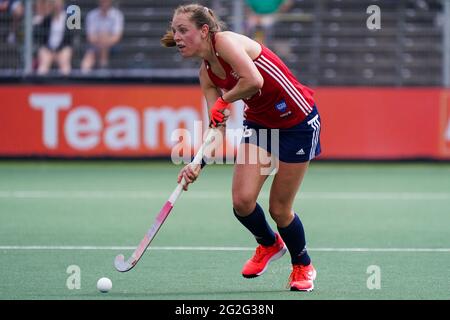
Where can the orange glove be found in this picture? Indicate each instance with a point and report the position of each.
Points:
(217, 111)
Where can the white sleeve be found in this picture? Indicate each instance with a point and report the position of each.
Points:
(118, 22)
(90, 23)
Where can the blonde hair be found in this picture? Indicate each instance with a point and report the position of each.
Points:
(200, 16)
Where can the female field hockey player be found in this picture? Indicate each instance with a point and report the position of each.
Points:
(236, 67)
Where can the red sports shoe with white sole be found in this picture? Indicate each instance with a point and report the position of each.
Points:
(257, 265)
(302, 277)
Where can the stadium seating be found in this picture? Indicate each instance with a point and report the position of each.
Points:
(325, 42)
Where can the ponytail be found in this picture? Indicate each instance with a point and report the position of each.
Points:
(167, 40)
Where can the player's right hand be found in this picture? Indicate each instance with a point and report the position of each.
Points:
(190, 173)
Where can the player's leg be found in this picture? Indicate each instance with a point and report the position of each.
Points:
(284, 188)
(282, 194)
(248, 179)
(298, 145)
(247, 183)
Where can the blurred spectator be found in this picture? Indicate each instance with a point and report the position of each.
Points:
(54, 40)
(104, 26)
(262, 16)
(15, 9)
(42, 8)
(422, 4)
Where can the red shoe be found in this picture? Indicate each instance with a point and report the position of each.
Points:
(257, 265)
(302, 277)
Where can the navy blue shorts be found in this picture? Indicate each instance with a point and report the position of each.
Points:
(299, 143)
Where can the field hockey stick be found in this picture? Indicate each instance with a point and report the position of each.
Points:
(119, 262)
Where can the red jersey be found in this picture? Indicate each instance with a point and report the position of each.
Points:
(281, 103)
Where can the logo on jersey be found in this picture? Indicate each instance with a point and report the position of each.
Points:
(281, 106)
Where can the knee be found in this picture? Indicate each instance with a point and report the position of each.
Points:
(243, 204)
(280, 213)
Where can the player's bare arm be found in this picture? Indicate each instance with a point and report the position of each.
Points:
(235, 54)
(209, 90)
(190, 173)
(212, 93)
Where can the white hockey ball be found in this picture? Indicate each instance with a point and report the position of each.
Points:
(104, 284)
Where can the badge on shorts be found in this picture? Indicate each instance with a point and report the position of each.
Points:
(281, 106)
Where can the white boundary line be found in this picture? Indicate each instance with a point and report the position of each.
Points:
(181, 248)
(104, 194)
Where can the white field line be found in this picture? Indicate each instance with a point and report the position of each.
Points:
(103, 194)
(181, 248)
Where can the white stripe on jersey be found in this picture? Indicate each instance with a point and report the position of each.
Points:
(278, 75)
(299, 95)
(283, 85)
